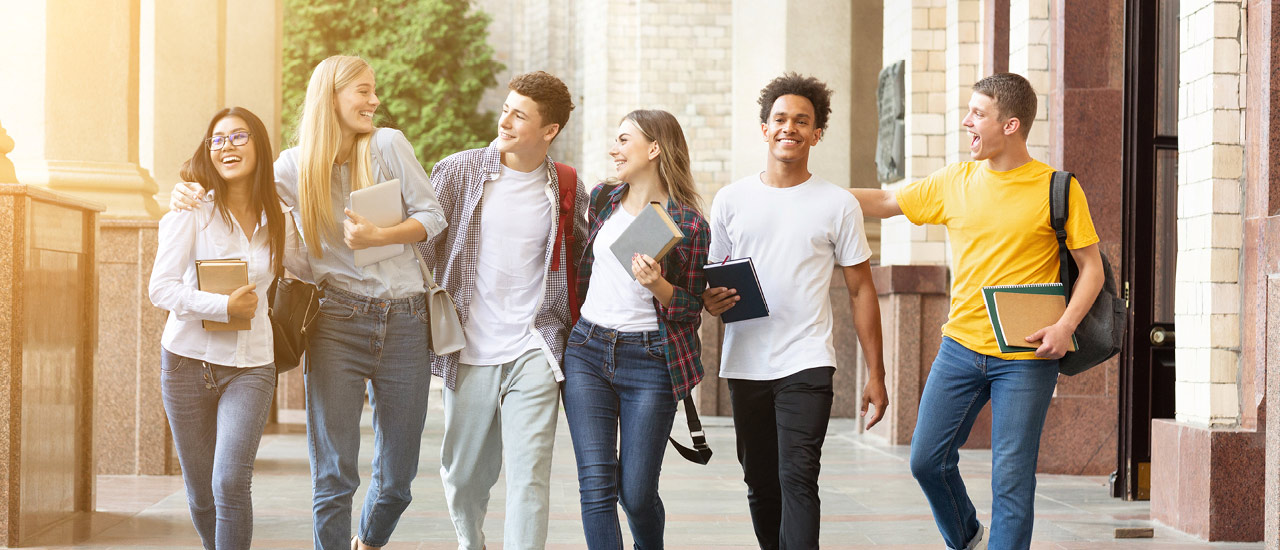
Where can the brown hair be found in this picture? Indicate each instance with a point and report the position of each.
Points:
(673, 157)
(551, 95)
(1014, 98)
(264, 200)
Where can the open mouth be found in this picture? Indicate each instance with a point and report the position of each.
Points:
(230, 160)
(367, 114)
(973, 142)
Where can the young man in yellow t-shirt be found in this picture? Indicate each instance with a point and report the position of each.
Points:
(996, 210)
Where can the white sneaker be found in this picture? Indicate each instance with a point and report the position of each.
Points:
(979, 541)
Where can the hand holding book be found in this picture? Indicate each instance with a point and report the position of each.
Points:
(243, 302)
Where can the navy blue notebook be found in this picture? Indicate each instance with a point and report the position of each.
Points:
(739, 275)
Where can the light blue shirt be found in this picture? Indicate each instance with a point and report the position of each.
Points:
(396, 277)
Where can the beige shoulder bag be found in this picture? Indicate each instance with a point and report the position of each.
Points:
(445, 328)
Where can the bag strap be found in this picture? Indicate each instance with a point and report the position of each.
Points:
(701, 452)
(1059, 191)
(567, 177)
(568, 180)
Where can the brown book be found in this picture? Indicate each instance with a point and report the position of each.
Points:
(1021, 310)
(222, 277)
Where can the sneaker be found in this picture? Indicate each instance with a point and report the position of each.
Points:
(979, 541)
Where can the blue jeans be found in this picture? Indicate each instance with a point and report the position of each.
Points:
(384, 342)
(618, 383)
(217, 414)
(960, 383)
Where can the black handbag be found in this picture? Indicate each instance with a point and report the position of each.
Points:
(1100, 334)
(292, 306)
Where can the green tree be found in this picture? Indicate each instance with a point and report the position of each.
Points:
(431, 58)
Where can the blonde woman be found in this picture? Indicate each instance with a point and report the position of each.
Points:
(371, 330)
(634, 353)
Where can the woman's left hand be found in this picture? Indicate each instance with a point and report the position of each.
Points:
(358, 233)
(648, 272)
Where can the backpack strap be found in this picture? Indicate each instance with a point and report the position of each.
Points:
(567, 178)
(601, 198)
(1059, 190)
(701, 452)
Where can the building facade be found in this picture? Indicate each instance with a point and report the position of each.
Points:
(1164, 109)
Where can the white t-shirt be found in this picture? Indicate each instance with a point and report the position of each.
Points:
(515, 214)
(614, 299)
(795, 237)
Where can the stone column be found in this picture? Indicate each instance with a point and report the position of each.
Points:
(963, 55)
(1029, 38)
(48, 328)
(995, 37)
(1212, 456)
(1260, 276)
(925, 72)
(913, 304)
(71, 101)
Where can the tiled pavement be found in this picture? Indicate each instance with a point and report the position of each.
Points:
(869, 501)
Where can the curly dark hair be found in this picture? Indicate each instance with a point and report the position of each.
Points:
(808, 87)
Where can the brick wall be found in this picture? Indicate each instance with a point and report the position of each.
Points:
(1210, 190)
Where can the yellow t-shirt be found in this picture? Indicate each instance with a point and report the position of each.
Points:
(998, 223)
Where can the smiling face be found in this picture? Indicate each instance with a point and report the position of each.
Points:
(355, 104)
(632, 152)
(791, 130)
(235, 163)
(988, 134)
(521, 129)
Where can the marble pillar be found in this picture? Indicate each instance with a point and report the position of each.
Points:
(74, 114)
(48, 333)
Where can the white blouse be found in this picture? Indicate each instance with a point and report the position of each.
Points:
(202, 234)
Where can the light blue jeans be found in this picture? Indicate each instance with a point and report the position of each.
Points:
(360, 342)
(620, 407)
(496, 416)
(217, 414)
(960, 382)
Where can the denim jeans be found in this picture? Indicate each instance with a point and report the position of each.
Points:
(384, 342)
(500, 414)
(620, 407)
(781, 426)
(217, 414)
(959, 384)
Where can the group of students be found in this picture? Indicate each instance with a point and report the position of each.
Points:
(487, 224)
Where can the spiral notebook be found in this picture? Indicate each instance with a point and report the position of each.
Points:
(1018, 311)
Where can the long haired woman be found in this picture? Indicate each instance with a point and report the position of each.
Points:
(634, 353)
(371, 331)
(217, 385)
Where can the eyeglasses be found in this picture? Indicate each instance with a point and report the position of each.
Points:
(239, 139)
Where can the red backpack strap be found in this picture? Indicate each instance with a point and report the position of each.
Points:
(568, 179)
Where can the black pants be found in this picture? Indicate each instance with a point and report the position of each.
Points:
(781, 425)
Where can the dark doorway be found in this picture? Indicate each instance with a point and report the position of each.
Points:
(1150, 235)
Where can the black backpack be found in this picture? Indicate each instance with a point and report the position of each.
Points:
(1100, 334)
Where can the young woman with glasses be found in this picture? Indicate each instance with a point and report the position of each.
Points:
(634, 353)
(217, 385)
(371, 331)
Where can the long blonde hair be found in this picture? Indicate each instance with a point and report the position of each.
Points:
(673, 161)
(319, 137)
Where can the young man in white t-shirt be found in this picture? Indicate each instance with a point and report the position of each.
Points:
(505, 262)
(796, 228)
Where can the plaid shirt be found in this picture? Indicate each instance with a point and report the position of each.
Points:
(682, 266)
(459, 185)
